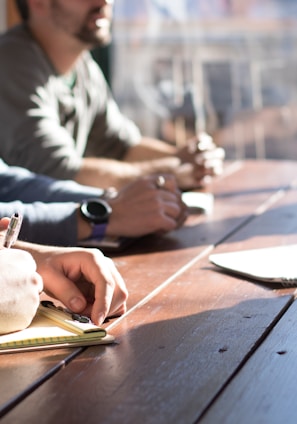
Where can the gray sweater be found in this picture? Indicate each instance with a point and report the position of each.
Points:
(48, 124)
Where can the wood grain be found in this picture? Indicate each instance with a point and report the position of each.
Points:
(189, 329)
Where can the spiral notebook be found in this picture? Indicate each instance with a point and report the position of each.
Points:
(54, 327)
(271, 265)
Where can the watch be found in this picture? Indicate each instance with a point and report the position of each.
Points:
(97, 213)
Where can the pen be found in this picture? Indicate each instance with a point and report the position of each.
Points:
(13, 230)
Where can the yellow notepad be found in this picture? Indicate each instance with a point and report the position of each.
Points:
(53, 327)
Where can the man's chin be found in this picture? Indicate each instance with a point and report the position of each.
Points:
(98, 39)
(102, 41)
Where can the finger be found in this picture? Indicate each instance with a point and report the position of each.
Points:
(176, 214)
(216, 154)
(186, 175)
(97, 269)
(164, 181)
(62, 288)
(170, 203)
(182, 217)
(38, 281)
(118, 304)
(201, 143)
(209, 168)
(4, 222)
(105, 287)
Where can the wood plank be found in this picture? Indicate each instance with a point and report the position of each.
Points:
(265, 389)
(175, 352)
(22, 373)
(249, 186)
(153, 261)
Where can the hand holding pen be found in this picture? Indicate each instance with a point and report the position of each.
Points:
(13, 230)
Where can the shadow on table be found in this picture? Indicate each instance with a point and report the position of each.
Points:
(280, 220)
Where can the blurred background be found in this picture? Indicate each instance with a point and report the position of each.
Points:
(225, 66)
(228, 67)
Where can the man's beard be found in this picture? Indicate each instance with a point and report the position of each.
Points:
(91, 37)
(97, 38)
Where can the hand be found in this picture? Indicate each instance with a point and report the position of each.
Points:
(20, 286)
(201, 160)
(84, 280)
(142, 208)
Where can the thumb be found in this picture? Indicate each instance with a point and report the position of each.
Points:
(67, 292)
(4, 222)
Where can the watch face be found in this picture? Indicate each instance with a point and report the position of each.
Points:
(96, 211)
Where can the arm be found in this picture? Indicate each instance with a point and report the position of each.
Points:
(84, 280)
(53, 223)
(49, 206)
(19, 183)
(191, 165)
(19, 285)
(52, 127)
(138, 209)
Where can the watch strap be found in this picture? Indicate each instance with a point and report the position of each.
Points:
(98, 231)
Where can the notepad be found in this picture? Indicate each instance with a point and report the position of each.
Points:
(55, 328)
(272, 265)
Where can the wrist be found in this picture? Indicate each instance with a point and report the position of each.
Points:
(84, 228)
(93, 219)
(109, 194)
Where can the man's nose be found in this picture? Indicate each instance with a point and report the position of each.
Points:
(105, 2)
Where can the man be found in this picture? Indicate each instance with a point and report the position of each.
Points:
(53, 212)
(68, 274)
(57, 115)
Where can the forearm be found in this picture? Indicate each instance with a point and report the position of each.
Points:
(106, 173)
(112, 173)
(149, 149)
(19, 183)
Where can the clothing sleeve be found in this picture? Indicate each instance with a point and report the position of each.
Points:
(32, 135)
(52, 223)
(112, 133)
(48, 206)
(20, 184)
(48, 126)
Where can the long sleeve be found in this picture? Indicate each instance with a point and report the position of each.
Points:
(48, 206)
(20, 184)
(52, 223)
(47, 126)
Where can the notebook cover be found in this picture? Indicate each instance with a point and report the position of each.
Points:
(45, 333)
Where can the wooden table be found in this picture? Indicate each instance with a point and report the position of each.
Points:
(196, 345)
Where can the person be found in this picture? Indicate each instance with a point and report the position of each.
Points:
(52, 215)
(58, 116)
(84, 280)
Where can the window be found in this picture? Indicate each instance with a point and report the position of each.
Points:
(225, 66)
